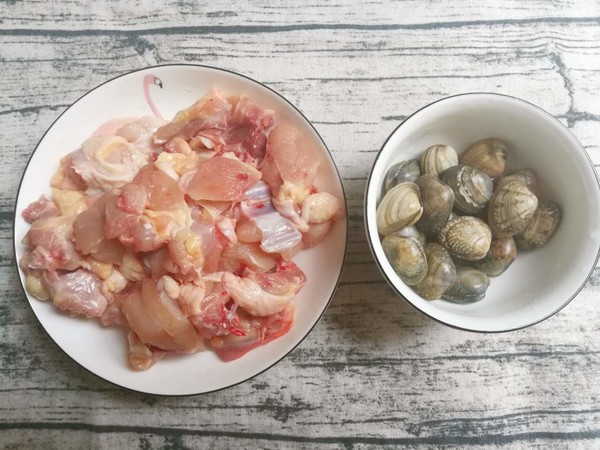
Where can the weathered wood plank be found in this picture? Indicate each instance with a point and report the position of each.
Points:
(141, 14)
(374, 372)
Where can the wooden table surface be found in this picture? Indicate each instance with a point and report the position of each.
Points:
(374, 371)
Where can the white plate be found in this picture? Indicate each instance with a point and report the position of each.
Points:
(103, 351)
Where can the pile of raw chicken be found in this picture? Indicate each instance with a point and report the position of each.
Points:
(183, 232)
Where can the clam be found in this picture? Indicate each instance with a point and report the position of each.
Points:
(487, 155)
(438, 158)
(401, 206)
(407, 257)
(472, 188)
(511, 208)
(402, 171)
(411, 232)
(542, 226)
(437, 199)
(501, 255)
(436, 236)
(470, 286)
(525, 176)
(466, 237)
(441, 273)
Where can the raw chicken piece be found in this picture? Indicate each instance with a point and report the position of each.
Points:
(102, 269)
(320, 207)
(148, 213)
(255, 331)
(113, 316)
(320, 210)
(141, 356)
(70, 202)
(162, 191)
(236, 258)
(265, 294)
(66, 178)
(35, 286)
(178, 145)
(287, 279)
(107, 162)
(190, 298)
(49, 245)
(278, 234)
(165, 224)
(207, 142)
(149, 332)
(212, 242)
(246, 130)
(89, 231)
(155, 262)
(139, 133)
(176, 164)
(291, 157)
(165, 312)
(222, 179)
(133, 199)
(288, 209)
(248, 113)
(88, 228)
(214, 317)
(76, 292)
(114, 284)
(215, 209)
(185, 252)
(42, 208)
(211, 112)
(247, 230)
(131, 267)
(122, 225)
(226, 227)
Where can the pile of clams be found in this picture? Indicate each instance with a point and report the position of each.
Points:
(451, 223)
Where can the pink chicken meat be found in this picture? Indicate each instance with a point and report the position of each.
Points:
(182, 232)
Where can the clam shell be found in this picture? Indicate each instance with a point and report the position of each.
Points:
(511, 208)
(411, 232)
(470, 286)
(401, 206)
(466, 237)
(525, 176)
(402, 171)
(407, 257)
(472, 188)
(501, 255)
(441, 273)
(487, 156)
(438, 158)
(542, 226)
(438, 200)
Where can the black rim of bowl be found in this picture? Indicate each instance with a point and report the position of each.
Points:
(181, 65)
(378, 263)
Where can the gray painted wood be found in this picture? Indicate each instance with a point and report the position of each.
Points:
(374, 372)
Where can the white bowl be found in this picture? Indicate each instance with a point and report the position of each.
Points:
(103, 351)
(541, 282)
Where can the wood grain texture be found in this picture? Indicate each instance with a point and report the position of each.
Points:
(374, 372)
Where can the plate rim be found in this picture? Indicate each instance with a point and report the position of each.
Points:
(181, 65)
(368, 234)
